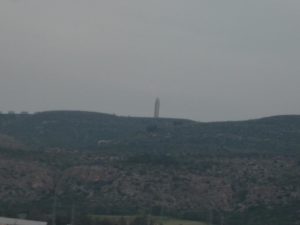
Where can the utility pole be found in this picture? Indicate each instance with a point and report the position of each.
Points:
(72, 222)
(54, 207)
(210, 216)
(57, 180)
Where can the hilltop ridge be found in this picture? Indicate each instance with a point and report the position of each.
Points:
(86, 130)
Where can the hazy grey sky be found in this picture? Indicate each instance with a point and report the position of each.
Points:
(207, 60)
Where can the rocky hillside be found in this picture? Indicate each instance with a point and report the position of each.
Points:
(237, 172)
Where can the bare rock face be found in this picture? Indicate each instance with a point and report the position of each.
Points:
(23, 181)
(226, 185)
(235, 183)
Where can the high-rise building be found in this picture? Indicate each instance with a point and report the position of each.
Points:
(156, 108)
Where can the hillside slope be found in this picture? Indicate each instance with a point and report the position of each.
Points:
(89, 131)
(244, 172)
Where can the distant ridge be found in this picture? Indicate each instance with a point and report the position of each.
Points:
(83, 130)
(94, 113)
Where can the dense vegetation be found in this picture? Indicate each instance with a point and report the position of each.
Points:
(244, 172)
(86, 131)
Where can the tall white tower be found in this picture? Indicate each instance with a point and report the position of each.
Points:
(156, 108)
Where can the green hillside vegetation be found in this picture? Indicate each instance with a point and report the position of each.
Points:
(244, 172)
(85, 130)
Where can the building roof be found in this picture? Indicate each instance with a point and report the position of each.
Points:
(13, 221)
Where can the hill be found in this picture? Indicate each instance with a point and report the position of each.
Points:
(245, 172)
(89, 131)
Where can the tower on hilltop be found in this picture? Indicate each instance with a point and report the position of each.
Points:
(156, 108)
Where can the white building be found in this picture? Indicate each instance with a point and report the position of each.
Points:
(12, 221)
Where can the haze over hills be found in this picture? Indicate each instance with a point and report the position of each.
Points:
(107, 164)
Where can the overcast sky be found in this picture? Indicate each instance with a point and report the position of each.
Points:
(206, 60)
